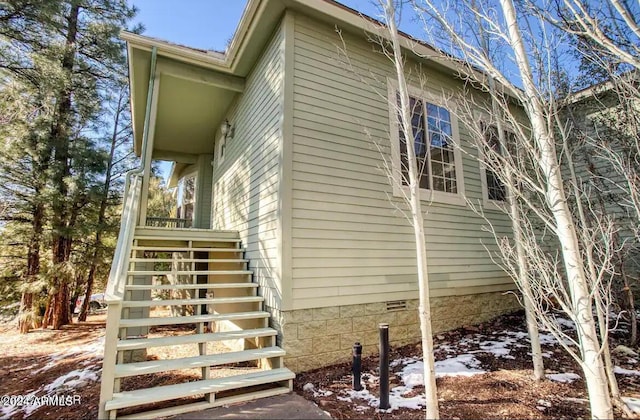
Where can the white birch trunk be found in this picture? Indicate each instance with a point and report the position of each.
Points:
(532, 323)
(591, 364)
(514, 215)
(600, 310)
(432, 411)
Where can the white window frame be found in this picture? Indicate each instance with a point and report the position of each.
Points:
(399, 190)
(487, 203)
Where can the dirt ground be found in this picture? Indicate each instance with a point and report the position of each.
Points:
(506, 391)
(22, 356)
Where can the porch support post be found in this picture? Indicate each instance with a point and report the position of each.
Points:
(204, 186)
(148, 134)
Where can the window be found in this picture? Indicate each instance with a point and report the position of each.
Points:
(435, 134)
(495, 190)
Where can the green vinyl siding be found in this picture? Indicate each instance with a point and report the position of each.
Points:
(350, 242)
(246, 182)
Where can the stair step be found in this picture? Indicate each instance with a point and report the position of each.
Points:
(190, 286)
(234, 316)
(188, 272)
(190, 260)
(145, 343)
(192, 233)
(203, 405)
(170, 392)
(197, 301)
(154, 366)
(184, 249)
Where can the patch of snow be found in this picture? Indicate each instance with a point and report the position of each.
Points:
(544, 403)
(412, 374)
(462, 365)
(622, 371)
(73, 379)
(567, 377)
(61, 385)
(566, 323)
(93, 349)
(309, 387)
(403, 361)
(396, 399)
(632, 403)
(503, 347)
(547, 339)
(625, 350)
(461, 361)
(517, 334)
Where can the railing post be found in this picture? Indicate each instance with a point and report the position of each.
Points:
(109, 358)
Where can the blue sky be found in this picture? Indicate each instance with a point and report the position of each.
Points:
(206, 24)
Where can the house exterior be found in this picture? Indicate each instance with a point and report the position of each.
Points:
(281, 142)
(603, 129)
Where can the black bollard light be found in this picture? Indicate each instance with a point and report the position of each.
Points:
(357, 366)
(384, 366)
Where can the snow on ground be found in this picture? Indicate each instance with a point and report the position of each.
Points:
(622, 371)
(460, 360)
(89, 372)
(461, 365)
(91, 350)
(632, 403)
(563, 377)
(74, 379)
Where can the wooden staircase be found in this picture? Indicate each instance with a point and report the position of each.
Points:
(191, 311)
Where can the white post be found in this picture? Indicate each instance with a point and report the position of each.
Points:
(149, 134)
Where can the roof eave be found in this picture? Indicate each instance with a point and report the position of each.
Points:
(184, 54)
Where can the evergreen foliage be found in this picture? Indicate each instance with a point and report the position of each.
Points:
(66, 139)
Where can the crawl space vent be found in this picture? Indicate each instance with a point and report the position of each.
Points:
(397, 305)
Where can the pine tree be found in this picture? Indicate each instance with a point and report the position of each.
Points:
(58, 59)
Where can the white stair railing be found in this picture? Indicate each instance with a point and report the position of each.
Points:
(117, 280)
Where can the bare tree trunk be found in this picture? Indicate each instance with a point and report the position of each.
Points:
(515, 215)
(601, 312)
(432, 411)
(592, 364)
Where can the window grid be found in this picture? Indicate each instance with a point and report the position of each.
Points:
(436, 164)
(495, 187)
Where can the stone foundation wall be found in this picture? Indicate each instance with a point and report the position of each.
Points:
(319, 337)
